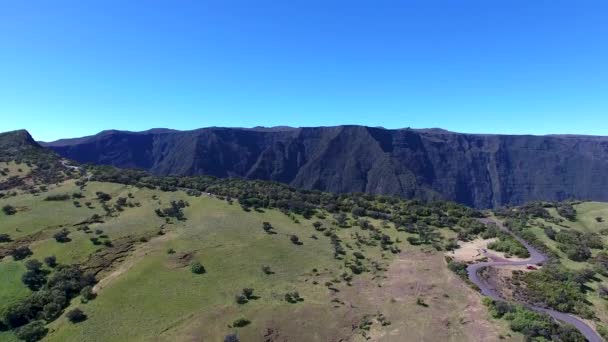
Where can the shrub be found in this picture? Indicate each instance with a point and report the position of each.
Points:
(171, 251)
(241, 299)
(31, 332)
(21, 252)
(359, 255)
(293, 297)
(231, 338)
(267, 270)
(241, 322)
(50, 261)
(295, 240)
(76, 315)
(58, 197)
(9, 210)
(62, 236)
(87, 294)
(5, 238)
(197, 268)
(248, 292)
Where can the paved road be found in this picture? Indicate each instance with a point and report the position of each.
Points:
(535, 257)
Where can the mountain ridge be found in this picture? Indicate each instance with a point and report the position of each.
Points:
(481, 170)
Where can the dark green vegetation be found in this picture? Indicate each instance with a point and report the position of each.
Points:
(531, 324)
(574, 279)
(479, 170)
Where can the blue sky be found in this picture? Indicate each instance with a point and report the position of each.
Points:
(73, 68)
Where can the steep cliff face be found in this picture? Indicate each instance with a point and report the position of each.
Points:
(478, 170)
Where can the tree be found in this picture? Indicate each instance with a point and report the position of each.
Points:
(295, 240)
(241, 299)
(267, 270)
(5, 238)
(248, 292)
(32, 332)
(341, 219)
(62, 236)
(34, 279)
(33, 265)
(231, 338)
(21, 252)
(268, 228)
(241, 322)
(197, 268)
(293, 297)
(87, 294)
(9, 210)
(76, 315)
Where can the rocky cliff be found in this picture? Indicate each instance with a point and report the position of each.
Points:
(477, 170)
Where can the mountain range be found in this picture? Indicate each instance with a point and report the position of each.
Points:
(479, 170)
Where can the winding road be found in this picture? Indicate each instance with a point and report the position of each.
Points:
(535, 258)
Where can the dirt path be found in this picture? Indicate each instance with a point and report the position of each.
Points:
(140, 252)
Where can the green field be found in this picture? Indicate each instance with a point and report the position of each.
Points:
(153, 295)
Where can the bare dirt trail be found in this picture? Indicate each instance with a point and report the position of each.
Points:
(535, 258)
(140, 252)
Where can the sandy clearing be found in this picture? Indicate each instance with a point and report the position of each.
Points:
(477, 250)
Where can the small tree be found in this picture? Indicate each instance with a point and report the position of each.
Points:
(241, 322)
(33, 265)
(231, 338)
(50, 261)
(197, 268)
(295, 240)
(32, 332)
(9, 210)
(21, 252)
(241, 299)
(5, 238)
(267, 270)
(293, 297)
(248, 292)
(76, 315)
(87, 294)
(62, 236)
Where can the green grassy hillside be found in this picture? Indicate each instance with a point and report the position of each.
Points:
(146, 289)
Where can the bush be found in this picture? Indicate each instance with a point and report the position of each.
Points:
(62, 236)
(31, 332)
(5, 238)
(9, 210)
(241, 322)
(267, 270)
(21, 252)
(295, 240)
(58, 197)
(231, 338)
(87, 293)
(197, 268)
(293, 297)
(50, 261)
(248, 292)
(76, 315)
(241, 299)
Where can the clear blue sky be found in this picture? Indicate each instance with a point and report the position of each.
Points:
(73, 68)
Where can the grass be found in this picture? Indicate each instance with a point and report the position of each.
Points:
(155, 296)
(11, 169)
(585, 222)
(11, 287)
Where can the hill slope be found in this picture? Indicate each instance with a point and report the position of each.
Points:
(477, 170)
